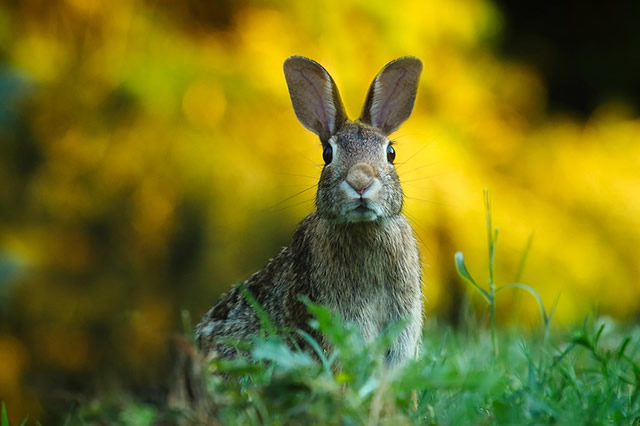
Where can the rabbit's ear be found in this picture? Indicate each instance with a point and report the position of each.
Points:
(314, 96)
(392, 94)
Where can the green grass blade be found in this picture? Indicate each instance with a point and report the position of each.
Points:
(531, 291)
(487, 208)
(265, 321)
(623, 347)
(5, 418)
(491, 237)
(464, 273)
(24, 421)
(524, 259)
(598, 334)
(558, 358)
(316, 347)
(276, 351)
(552, 311)
(492, 255)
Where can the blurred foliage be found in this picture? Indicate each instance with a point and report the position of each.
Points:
(146, 148)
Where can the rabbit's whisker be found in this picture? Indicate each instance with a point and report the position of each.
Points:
(418, 168)
(297, 175)
(412, 156)
(436, 203)
(293, 185)
(288, 206)
(290, 197)
(308, 159)
(414, 222)
(421, 178)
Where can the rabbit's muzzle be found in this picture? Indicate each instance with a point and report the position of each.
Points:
(361, 189)
(360, 177)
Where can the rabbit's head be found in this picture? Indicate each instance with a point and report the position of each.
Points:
(358, 182)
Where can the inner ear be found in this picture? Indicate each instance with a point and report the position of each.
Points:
(392, 94)
(314, 96)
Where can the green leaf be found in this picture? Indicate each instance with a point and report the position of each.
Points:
(316, 347)
(237, 367)
(265, 321)
(487, 208)
(328, 323)
(523, 259)
(580, 338)
(598, 334)
(464, 273)
(139, 415)
(554, 306)
(279, 353)
(623, 347)
(532, 292)
(5, 418)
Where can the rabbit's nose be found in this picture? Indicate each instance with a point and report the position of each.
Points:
(360, 177)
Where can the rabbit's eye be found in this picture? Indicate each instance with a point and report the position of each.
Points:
(391, 154)
(327, 154)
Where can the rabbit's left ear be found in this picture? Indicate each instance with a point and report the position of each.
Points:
(392, 94)
(314, 96)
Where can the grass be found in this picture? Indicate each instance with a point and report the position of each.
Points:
(490, 295)
(471, 375)
(590, 375)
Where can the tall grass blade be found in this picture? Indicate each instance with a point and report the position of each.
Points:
(487, 208)
(531, 291)
(5, 418)
(524, 259)
(552, 311)
(276, 351)
(598, 334)
(491, 237)
(623, 347)
(464, 273)
(316, 347)
(265, 321)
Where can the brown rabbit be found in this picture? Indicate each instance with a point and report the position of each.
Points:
(356, 253)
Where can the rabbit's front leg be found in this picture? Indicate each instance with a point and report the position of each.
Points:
(407, 344)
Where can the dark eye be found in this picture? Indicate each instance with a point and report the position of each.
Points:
(391, 154)
(327, 154)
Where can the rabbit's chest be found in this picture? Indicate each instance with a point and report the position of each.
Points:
(370, 290)
(370, 274)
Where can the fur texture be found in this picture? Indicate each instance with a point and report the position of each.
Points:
(356, 253)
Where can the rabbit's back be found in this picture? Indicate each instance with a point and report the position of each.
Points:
(276, 289)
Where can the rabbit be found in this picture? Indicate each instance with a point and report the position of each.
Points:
(356, 253)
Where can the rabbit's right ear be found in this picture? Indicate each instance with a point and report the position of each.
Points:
(314, 96)
(392, 94)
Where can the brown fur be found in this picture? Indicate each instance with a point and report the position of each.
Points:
(356, 254)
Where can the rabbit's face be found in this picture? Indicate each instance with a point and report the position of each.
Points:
(359, 182)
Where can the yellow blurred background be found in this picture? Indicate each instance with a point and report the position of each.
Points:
(149, 152)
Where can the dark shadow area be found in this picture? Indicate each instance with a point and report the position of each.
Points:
(586, 51)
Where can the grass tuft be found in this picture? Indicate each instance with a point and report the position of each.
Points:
(490, 295)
